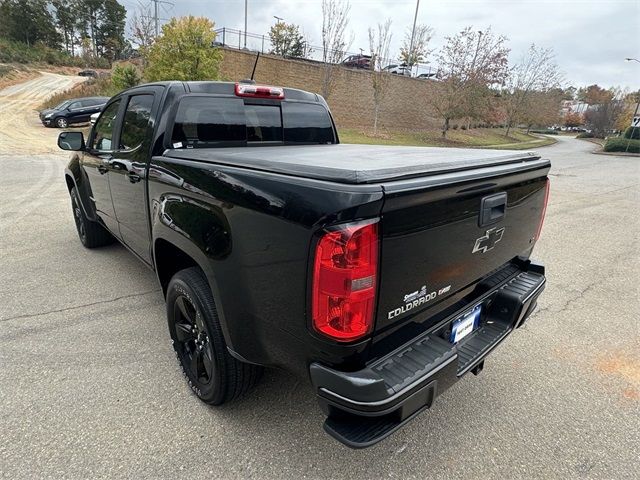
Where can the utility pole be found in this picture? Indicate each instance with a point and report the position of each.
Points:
(413, 34)
(155, 13)
(245, 23)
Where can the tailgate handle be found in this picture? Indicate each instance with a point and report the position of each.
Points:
(493, 209)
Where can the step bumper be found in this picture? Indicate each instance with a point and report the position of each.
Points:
(365, 406)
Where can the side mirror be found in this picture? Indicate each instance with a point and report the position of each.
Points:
(73, 141)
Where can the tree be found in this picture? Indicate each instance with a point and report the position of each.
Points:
(542, 108)
(142, 31)
(125, 75)
(184, 51)
(594, 94)
(335, 18)
(28, 21)
(379, 40)
(536, 72)
(601, 118)
(111, 41)
(469, 64)
(65, 21)
(420, 51)
(573, 119)
(286, 40)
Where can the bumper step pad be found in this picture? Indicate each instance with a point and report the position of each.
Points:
(416, 373)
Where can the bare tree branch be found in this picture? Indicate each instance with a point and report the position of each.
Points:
(335, 19)
(379, 41)
(535, 72)
(421, 50)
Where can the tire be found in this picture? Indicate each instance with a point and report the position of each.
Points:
(211, 372)
(61, 122)
(91, 234)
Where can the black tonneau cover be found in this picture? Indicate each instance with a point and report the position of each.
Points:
(343, 163)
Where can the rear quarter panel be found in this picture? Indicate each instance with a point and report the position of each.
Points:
(252, 232)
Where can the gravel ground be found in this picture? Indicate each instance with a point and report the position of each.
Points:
(89, 386)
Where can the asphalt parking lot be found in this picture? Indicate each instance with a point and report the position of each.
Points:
(90, 388)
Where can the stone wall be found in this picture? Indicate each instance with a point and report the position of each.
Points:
(404, 107)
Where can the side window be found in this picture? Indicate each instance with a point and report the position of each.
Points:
(75, 106)
(103, 130)
(136, 121)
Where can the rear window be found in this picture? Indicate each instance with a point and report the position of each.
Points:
(203, 122)
(307, 123)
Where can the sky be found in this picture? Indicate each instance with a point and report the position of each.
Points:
(591, 38)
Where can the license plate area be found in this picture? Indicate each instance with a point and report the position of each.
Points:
(464, 325)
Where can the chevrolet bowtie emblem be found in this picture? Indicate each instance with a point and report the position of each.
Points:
(488, 240)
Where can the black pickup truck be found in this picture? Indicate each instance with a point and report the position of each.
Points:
(382, 274)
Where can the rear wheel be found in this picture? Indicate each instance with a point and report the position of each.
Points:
(212, 373)
(62, 122)
(91, 234)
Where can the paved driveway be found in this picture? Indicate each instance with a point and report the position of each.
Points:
(89, 386)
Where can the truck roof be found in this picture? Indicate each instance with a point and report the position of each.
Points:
(355, 164)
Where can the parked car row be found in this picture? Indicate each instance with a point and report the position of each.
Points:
(364, 62)
(69, 112)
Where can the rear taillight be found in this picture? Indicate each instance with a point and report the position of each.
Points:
(259, 91)
(344, 281)
(544, 208)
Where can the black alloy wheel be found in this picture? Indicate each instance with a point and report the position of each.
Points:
(193, 344)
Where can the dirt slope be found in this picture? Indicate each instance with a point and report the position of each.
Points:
(20, 127)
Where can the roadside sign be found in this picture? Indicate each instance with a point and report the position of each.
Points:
(636, 121)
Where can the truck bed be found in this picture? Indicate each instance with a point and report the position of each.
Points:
(355, 164)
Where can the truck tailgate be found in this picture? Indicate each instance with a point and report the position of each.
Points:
(444, 233)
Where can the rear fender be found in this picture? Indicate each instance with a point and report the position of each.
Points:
(204, 240)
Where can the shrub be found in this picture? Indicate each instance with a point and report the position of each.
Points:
(622, 145)
(463, 127)
(455, 127)
(125, 75)
(18, 52)
(632, 132)
(101, 87)
(585, 135)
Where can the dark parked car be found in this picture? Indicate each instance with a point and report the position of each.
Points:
(76, 110)
(381, 274)
(88, 73)
(358, 61)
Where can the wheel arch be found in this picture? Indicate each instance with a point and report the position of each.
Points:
(170, 257)
(73, 179)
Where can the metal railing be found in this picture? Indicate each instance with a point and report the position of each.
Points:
(240, 40)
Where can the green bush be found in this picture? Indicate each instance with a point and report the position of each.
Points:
(632, 132)
(622, 145)
(585, 135)
(100, 87)
(125, 75)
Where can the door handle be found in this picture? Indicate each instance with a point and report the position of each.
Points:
(493, 209)
(134, 177)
